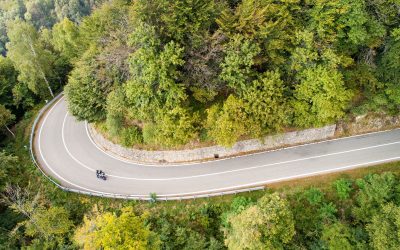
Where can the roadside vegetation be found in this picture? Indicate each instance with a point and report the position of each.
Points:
(162, 74)
(355, 209)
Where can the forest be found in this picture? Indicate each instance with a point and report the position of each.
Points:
(165, 74)
(162, 74)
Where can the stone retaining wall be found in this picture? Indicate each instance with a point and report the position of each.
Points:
(368, 123)
(207, 153)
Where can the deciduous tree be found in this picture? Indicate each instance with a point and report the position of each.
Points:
(6, 117)
(321, 97)
(227, 124)
(266, 104)
(8, 80)
(384, 229)
(30, 57)
(85, 93)
(374, 191)
(154, 84)
(337, 236)
(65, 38)
(112, 231)
(267, 225)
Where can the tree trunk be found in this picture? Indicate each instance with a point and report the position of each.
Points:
(41, 71)
(48, 84)
(9, 130)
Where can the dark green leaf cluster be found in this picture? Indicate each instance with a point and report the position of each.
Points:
(223, 70)
(343, 214)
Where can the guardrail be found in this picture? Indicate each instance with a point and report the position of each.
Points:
(119, 196)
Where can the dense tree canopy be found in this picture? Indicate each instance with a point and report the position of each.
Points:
(111, 231)
(242, 68)
(164, 74)
(266, 225)
(30, 57)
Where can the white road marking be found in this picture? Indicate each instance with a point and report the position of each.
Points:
(69, 152)
(261, 183)
(231, 187)
(132, 162)
(224, 172)
(44, 159)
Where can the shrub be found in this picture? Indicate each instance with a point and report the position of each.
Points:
(149, 133)
(131, 136)
(114, 124)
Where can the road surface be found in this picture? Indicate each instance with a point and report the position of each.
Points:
(64, 151)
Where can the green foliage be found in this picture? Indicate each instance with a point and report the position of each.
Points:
(86, 94)
(237, 66)
(131, 136)
(321, 97)
(270, 23)
(115, 110)
(7, 164)
(6, 117)
(184, 21)
(149, 133)
(384, 229)
(30, 57)
(238, 205)
(107, 27)
(176, 127)
(40, 13)
(265, 104)
(74, 10)
(112, 231)
(65, 38)
(8, 79)
(153, 85)
(267, 225)
(343, 188)
(227, 124)
(337, 236)
(186, 227)
(374, 191)
(53, 221)
(314, 196)
(42, 222)
(345, 23)
(9, 10)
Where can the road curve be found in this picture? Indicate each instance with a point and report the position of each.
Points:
(65, 152)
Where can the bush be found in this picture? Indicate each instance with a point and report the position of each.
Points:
(149, 133)
(114, 124)
(131, 136)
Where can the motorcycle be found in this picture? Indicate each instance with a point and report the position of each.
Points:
(101, 175)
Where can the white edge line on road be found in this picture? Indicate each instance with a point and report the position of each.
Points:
(44, 159)
(260, 183)
(132, 162)
(68, 151)
(224, 172)
(213, 190)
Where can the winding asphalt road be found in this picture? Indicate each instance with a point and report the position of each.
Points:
(64, 151)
